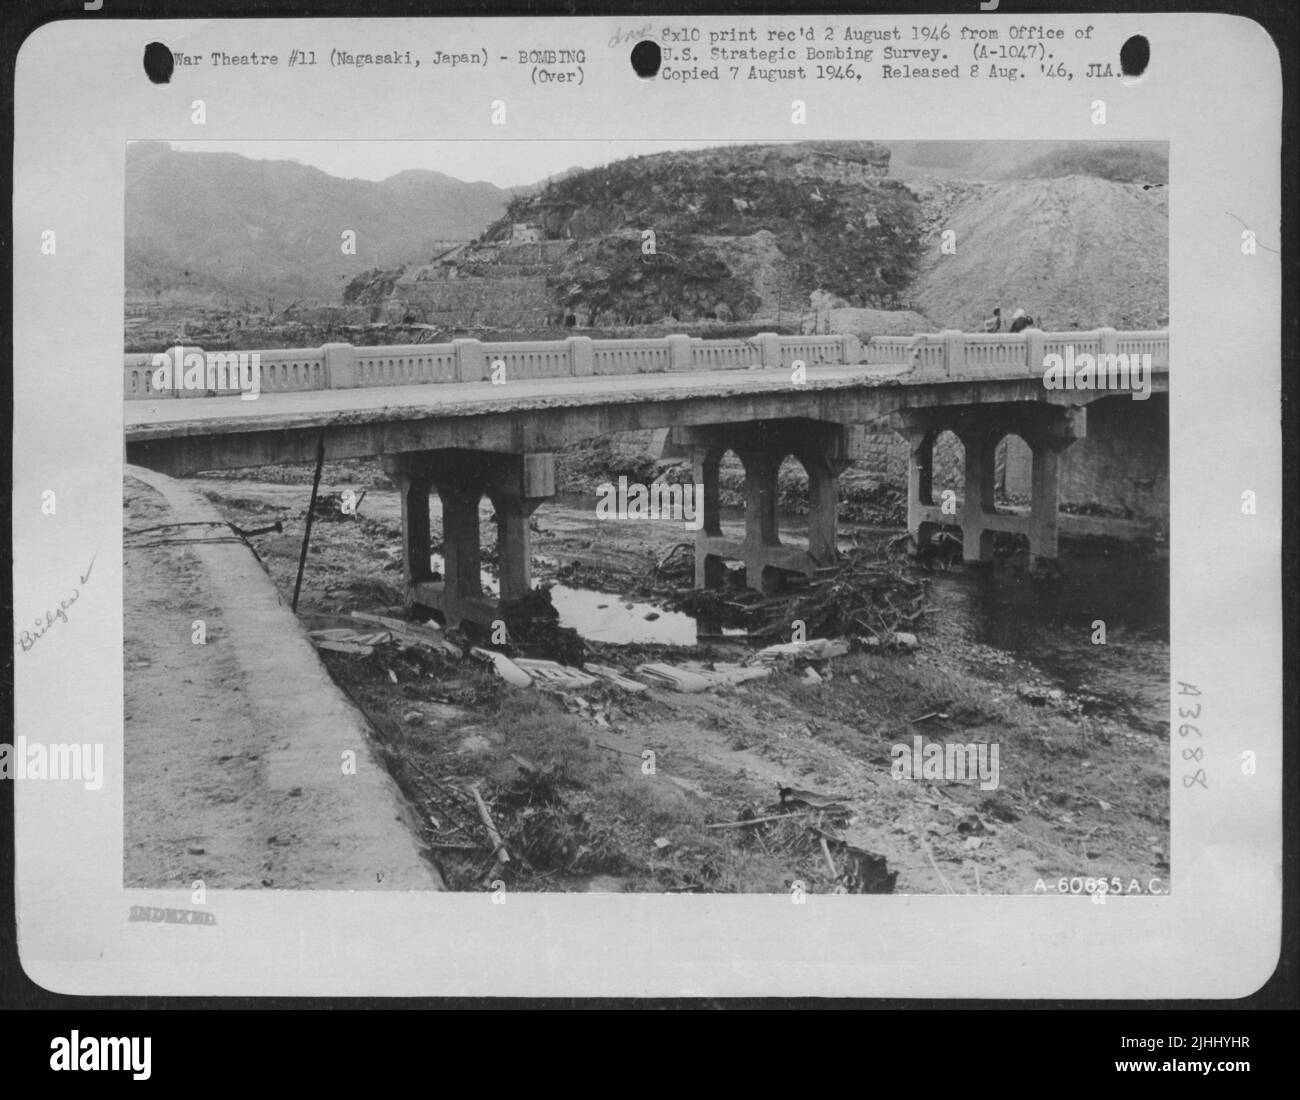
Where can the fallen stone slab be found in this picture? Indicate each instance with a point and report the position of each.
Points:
(675, 679)
(723, 675)
(356, 649)
(820, 649)
(510, 672)
(613, 676)
(898, 640)
(554, 673)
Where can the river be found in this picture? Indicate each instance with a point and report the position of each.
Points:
(1049, 624)
(990, 611)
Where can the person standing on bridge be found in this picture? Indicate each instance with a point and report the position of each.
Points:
(1020, 321)
(994, 323)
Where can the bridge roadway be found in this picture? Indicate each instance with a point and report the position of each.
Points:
(181, 437)
(533, 414)
(459, 434)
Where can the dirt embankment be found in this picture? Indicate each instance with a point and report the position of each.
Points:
(1076, 252)
(233, 734)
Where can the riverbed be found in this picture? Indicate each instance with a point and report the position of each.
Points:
(1005, 658)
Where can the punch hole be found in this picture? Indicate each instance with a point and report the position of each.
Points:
(158, 63)
(646, 58)
(1134, 56)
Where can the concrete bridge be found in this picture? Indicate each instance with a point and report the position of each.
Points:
(468, 419)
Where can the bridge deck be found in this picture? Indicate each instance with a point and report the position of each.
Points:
(170, 417)
(552, 398)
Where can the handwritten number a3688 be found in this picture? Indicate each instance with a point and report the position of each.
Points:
(1193, 753)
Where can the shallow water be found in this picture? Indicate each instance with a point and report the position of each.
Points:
(1049, 624)
(606, 616)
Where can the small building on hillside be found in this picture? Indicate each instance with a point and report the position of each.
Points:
(523, 233)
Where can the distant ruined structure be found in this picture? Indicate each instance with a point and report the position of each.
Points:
(500, 285)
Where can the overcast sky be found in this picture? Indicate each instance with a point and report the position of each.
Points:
(505, 163)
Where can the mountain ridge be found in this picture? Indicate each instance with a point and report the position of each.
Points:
(224, 227)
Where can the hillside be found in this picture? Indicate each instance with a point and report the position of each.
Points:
(811, 236)
(1125, 162)
(740, 231)
(1073, 252)
(757, 233)
(218, 227)
(1130, 162)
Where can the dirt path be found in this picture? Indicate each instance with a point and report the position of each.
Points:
(737, 748)
(233, 748)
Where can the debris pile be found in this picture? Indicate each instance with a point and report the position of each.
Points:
(799, 828)
(395, 631)
(527, 829)
(865, 596)
(575, 683)
(339, 507)
(539, 828)
(533, 625)
(692, 677)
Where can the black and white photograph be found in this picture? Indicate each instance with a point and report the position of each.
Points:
(649, 508)
(702, 519)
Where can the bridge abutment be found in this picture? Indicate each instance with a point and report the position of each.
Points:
(516, 484)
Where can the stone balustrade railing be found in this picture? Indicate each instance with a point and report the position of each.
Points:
(949, 354)
(954, 354)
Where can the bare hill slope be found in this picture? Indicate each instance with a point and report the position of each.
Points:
(1073, 252)
(1126, 161)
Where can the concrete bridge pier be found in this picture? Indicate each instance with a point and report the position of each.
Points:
(1046, 481)
(921, 510)
(516, 484)
(820, 447)
(1047, 430)
(978, 500)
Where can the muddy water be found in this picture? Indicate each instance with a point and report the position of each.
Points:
(604, 616)
(1051, 625)
(1048, 624)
